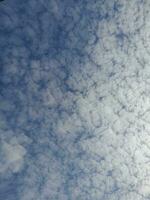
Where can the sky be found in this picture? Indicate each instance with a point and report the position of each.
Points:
(74, 100)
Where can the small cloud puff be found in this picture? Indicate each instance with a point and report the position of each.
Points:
(13, 156)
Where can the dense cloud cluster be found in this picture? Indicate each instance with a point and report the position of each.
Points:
(74, 100)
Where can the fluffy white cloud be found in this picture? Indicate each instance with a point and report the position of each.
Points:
(12, 156)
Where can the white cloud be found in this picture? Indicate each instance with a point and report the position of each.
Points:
(89, 123)
(13, 156)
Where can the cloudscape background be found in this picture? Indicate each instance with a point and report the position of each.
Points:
(75, 100)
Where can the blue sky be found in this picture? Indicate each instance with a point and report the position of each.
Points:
(74, 100)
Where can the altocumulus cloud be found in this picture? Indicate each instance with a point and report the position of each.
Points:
(74, 100)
